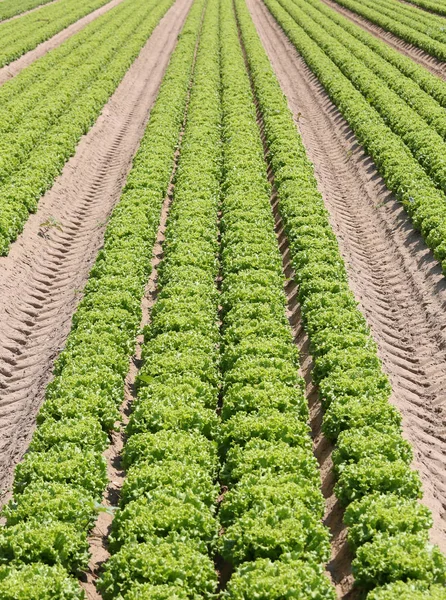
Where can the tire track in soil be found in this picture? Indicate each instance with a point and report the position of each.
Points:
(395, 278)
(432, 64)
(13, 68)
(42, 278)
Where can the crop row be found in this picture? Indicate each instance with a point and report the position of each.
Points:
(431, 24)
(423, 201)
(429, 83)
(387, 527)
(397, 106)
(10, 8)
(429, 38)
(427, 146)
(437, 6)
(22, 35)
(83, 73)
(272, 514)
(59, 484)
(166, 525)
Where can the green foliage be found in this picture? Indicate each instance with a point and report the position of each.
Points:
(166, 524)
(263, 457)
(165, 445)
(164, 514)
(22, 35)
(388, 514)
(400, 557)
(354, 445)
(410, 590)
(257, 493)
(279, 580)
(38, 582)
(49, 106)
(372, 457)
(62, 478)
(70, 464)
(158, 592)
(159, 562)
(275, 531)
(55, 543)
(274, 508)
(374, 474)
(45, 502)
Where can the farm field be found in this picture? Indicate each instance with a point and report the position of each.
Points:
(222, 300)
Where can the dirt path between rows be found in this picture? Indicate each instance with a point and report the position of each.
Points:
(9, 71)
(432, 64)
(396, 279)
(42, 278)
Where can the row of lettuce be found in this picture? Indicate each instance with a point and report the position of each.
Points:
(47, 108)
(22, 35)
(272, 513)
(399, 167)
(11, 8)
(435, 6)
(59, 485)
(417, 27)
(166, 529)
(387, 527)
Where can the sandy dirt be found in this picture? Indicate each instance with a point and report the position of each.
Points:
(41, 280)
(11, 70)
(432, 64)
(394, 276)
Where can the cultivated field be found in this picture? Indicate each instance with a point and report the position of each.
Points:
(222, 299)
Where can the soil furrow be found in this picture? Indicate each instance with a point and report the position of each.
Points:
(432, 64)
(387, 261)
(9, 71)
(84, 194)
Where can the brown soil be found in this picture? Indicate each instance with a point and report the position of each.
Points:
(11, 70)
(42, 278)
(397, 281)
(432, 64)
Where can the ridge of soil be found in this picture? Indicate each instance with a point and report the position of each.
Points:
(47, 267)
(398, 283)
(13, 68)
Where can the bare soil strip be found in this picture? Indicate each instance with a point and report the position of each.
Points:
(432, 64)
(397, 281)
(27, 12)
(9, 71)
(42, 278)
